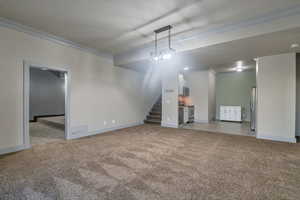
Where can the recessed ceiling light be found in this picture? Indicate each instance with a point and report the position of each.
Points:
(186, 68)
(239, 63)
(295, 45)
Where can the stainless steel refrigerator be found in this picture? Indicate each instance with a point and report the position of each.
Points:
(253, 106)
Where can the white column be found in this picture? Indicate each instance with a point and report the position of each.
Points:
(276, 84)
(169, 96)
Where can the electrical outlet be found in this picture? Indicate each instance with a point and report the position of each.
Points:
(113, 121)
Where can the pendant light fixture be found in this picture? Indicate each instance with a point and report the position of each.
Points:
(166, 54)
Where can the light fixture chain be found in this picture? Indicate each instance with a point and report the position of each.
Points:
(155, 44)
(163, 55)
(169, 39)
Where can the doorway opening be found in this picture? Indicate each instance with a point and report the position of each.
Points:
(221, 100)
(46, 104)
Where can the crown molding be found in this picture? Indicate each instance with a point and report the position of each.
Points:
(50, 37)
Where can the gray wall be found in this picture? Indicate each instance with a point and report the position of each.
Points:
(47, 93)
(211, 96)
(102, 96)
(298, 95)
(234, 88)
(276, 97)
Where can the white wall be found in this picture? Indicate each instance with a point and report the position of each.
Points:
(169, 96)
(47, 93)
(276, 83)
(202, 94)
(298, 95)
(234, 89)
(198, 82)
(152, 87)
(211, 95)
(181, 83)
(99, 90)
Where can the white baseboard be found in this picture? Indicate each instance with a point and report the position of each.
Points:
(244, 120)
(90, 133)
(278, 139)
(202, 121)
(104, 130)
(169, 125)
(13, 149)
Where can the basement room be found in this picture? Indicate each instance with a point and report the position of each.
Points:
(144, 100)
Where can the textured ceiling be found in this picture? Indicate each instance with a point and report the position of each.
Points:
(115, 26)
(225, 54)
(222, 57)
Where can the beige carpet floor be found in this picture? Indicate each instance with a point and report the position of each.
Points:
(234, 128)
(47, 130)
(150, 162)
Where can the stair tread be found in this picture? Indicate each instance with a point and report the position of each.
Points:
(152, 121)
(156, 110)
(156, 120)
(154, 115)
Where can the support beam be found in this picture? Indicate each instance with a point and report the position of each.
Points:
(274, 21)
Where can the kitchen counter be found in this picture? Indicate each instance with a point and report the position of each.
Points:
(182, 106)
(186, 114)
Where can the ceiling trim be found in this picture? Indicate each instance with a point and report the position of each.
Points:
(50, 37)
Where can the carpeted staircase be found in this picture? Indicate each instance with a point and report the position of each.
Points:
(154, 116)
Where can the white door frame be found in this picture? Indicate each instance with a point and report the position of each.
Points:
(26, 94)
